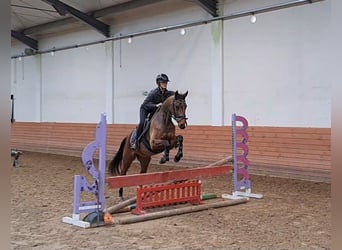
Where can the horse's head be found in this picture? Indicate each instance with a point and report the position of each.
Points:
(179, 108)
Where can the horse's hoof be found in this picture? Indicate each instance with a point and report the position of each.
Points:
(178, 157)
(163, 160)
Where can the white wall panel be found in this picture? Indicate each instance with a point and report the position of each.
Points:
(68, 38)
(25, 86)
(74, 85)
(185, 59)
(276, 69)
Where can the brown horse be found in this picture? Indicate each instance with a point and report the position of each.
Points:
(158, 136)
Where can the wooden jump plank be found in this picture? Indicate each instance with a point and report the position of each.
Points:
(160, 177)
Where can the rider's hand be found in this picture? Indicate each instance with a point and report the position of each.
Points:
(158, 105)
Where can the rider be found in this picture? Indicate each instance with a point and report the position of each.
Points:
(151, 103)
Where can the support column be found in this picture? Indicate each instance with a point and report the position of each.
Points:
(109, 82)
(217, 110)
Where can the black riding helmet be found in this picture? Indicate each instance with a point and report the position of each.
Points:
(162, 78)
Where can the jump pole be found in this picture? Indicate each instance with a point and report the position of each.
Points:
(82, 185)
(177, 211)
(129, 204)
(120, 205)
(161, 177)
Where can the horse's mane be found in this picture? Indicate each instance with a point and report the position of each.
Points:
(166, 108)
(168, 101)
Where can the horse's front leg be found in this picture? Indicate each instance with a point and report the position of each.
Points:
(165, 157)
(179, 154)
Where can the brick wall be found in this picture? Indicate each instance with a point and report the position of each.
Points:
(303, 153)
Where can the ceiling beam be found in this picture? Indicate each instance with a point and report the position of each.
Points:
(93, 22)
(271, 8)
(115, 9)
(210, 6)
(60, 11)
(32, 43)
(96, 14)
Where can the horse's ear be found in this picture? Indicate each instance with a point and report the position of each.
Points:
(186, 93)
(176, 93)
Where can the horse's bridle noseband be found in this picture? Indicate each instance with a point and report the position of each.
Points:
(179, 118)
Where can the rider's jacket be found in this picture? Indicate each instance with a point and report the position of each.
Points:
(154, 97)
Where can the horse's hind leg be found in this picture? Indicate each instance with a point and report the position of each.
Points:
(144, 163)
(126, 163)
(179, 154)
(121, 194)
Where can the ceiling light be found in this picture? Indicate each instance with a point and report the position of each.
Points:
(253, 19)
(182, 32)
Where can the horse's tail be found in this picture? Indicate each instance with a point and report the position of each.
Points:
(114, 165)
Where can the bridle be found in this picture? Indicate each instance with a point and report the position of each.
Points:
(178, 118)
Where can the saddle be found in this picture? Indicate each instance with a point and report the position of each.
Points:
(146, 127)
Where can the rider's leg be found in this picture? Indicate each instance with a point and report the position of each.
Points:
(143, 115)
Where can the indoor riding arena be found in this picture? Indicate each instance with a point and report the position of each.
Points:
(254, 170)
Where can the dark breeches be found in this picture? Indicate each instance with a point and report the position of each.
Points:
(143, 114)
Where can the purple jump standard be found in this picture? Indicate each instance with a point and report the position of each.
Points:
(81, 184)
